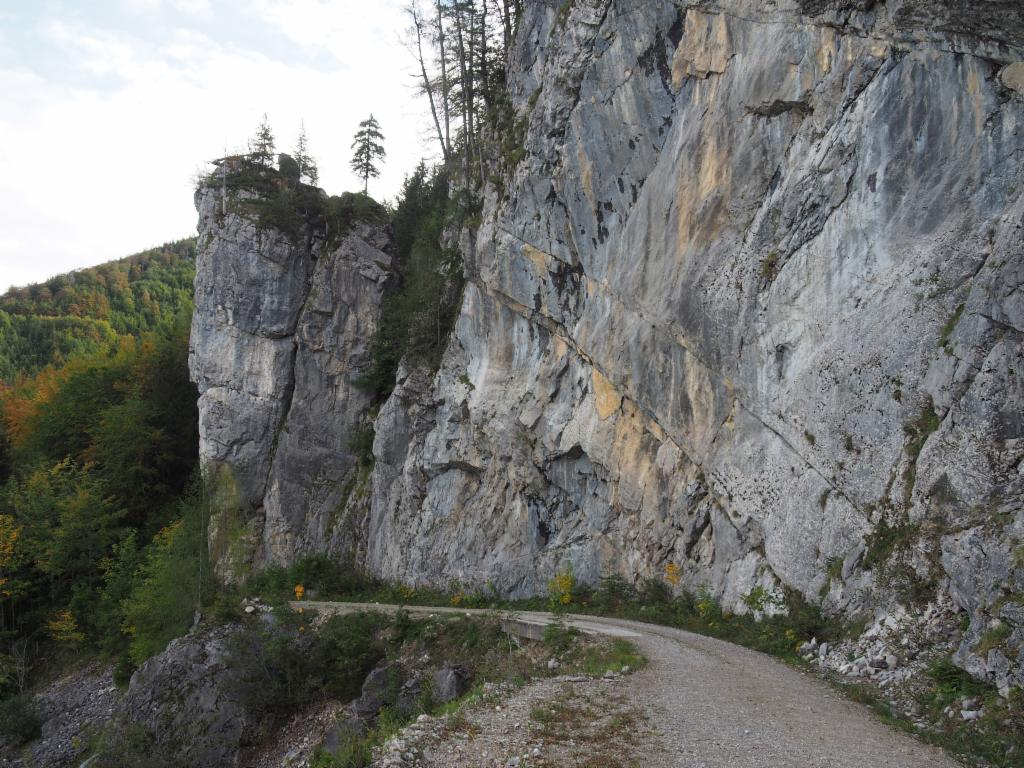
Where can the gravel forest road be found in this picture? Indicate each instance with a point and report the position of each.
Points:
(712, 704)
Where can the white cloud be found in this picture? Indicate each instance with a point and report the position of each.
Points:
(342, 28)
(141, 6)
(97, 52)
(201, 8)
(6, 50)
(93, 173)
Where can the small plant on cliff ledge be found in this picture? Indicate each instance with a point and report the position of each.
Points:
(949, 327)
(886, 539)
(917, 431)
(760, 600)
(563, 14)
(770, 266)
(361, 445)
(992, 638)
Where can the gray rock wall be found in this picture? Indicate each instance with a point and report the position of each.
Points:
(751, 306)
(279, 338)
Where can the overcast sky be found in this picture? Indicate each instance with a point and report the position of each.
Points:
(109, 107)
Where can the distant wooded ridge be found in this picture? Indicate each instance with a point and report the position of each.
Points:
(80, 312)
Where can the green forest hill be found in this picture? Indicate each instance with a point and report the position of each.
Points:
(90, 309)
(98, 448)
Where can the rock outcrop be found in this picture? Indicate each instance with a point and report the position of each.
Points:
(279, 340)
(751, 306)
(187, 700)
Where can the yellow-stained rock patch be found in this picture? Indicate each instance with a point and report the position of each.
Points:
(712, 177)
(705, 47)
(559, 347)
(827, 49)
(586, 175)
(606, 397)
(537, 257)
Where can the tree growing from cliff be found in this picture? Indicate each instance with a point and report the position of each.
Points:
(368, 151)
(261, 145)
(417, 319)
(307, 165)
(428, 86)
(460, 50)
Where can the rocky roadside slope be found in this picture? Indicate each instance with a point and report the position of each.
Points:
(226, 695)
(69, 711)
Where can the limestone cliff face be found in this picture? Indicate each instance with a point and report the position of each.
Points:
(751, 305)
(279, 338)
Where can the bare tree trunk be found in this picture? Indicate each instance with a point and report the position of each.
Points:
(484, 82)
(445, 87)
(467, 120)
(471, 80)
(21, 657)
(506, 19)
(428, 87)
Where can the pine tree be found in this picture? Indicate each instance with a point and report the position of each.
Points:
(261, 146)
(368, 151)
(307, 165)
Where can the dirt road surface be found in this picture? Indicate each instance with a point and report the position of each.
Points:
(706, 703)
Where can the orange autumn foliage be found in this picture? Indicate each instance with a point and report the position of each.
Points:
(22, 402)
